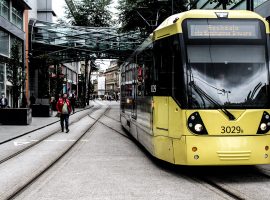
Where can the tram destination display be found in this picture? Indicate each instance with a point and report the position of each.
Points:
(223, 30)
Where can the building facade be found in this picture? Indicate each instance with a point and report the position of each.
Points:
(112, 79)
(41, 10)
(13, 27)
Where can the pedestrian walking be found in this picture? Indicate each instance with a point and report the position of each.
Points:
(24, 102)
(73, 102)
(32, 100)
(3, 101)
(64, 109)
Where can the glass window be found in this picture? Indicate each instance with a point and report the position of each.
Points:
(4, 41)
(17, 17)
(2, 78)
(201, 3)
(20, 46)
(258, 2)
(4, 8)
(210, 5)
(241, 6)
(224, 76)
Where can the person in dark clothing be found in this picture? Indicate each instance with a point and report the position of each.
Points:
(64, 108)
(73, 102)
(32, 100)
(24, 101)
(3, 101)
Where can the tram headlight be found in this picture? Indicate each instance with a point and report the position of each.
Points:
(198, 127)
(195, 124)
(264, 125)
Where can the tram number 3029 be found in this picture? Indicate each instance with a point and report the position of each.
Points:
(231, 129)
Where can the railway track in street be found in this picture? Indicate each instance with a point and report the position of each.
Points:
(209, 182)
(33, 142)
(228, 182)
(238, 193)
(14, 191)
(247, 182)
(201, 177)
(42, 127)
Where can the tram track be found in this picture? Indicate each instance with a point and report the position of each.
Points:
(179, 171)
(117, 131)
(47, 125)
(185, 173)
(222, 189)
(207, 181)
(49, 166)
(36, 142)
(234, 185)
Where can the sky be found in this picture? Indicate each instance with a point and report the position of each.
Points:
(58, 7)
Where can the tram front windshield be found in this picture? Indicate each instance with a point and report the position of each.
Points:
(227, 73)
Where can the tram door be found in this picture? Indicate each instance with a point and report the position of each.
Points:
(134, 92)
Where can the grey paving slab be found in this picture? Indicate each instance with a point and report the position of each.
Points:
(12, 147)
(11, 131)
(16, 172)
(110, 166)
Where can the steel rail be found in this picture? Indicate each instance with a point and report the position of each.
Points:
(32, 145)
(28, 132)
(30, 182)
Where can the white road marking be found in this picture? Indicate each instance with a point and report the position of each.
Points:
(19, 143)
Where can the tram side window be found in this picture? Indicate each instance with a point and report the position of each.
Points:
(145, 60)
(128, 86)
(123, 100)
(178, 84)
(163, 59)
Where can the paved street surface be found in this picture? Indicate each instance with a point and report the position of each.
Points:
(110, 166)
(11, 131)
(101, 161)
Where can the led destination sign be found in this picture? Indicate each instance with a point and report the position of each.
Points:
(236, 31)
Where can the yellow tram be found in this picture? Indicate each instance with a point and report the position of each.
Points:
(196, 92)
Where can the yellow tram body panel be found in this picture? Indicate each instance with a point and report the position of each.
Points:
(173, 141)
(214, 150)
(222, 150)
(213, 120)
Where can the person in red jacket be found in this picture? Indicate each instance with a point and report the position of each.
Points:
(63, 107)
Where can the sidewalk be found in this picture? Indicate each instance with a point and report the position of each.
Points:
(10, 131)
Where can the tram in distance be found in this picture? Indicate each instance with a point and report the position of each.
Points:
(196, 92)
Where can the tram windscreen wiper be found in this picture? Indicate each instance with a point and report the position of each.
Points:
(201, 92)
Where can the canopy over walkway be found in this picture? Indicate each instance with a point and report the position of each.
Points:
(65, 43)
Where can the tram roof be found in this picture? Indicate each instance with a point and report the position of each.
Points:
(74, 43)
(173, 23)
